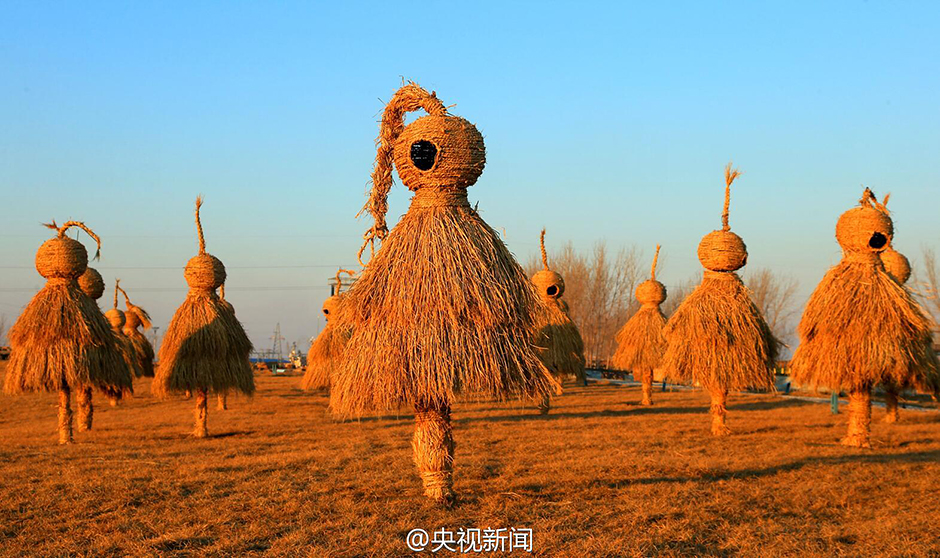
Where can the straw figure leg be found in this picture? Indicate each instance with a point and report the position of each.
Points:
(545, 404)
(222, 404)
(188, 394)
(719, 410)
(433, 445)
(647, 387)
(891, 404)
(65, 416)
(859, 432)
(86, 409)
(202, 413)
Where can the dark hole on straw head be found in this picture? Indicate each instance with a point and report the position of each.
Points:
(877, 241)
(423, 154)
(326, 312)
(552, 290)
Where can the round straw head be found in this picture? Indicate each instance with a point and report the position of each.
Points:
(651, 292)
(131, 319)
(722, 251)
(549, 283)
(62, 257)
(864, 229)
(896, 264)
(115, 318)
(330, 306)
(205, 271)
(439, 150)
(91, 283)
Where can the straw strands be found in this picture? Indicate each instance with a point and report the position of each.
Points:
(136, 317)
(326, 350)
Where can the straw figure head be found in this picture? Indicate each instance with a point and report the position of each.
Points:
(723, 250)
(549, 284)
(331, 304)
(114, 315)
(204, 271)
(866, 229)
(896, 264)
(64, 258)
(651, 292)
(135, 315)
(91, 283)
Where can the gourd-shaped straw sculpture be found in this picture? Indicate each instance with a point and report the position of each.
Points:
(442, 310)
(61, 341)
(205, 347)
(717, 337)
(860, 326)
(117, 320)
(640, 342)
(556, 336)
(326, 350)
(135, 317)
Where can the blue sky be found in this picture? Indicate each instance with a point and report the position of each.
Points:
(602, 121)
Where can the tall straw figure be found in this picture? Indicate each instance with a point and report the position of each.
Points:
(205, 347)
(61, 341)
(560, 345)
(640, 342)
(326, 350)
(136, 317)
(717, 337)
(860, 326)
(442, 310)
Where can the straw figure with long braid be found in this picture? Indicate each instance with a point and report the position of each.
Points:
(860, 326)
(717, 337)
(61, 341)
(442, 311)
(117, 320)
(205, 347)
(135, 317)
(558, 340)
(326, 350)
(640, 342)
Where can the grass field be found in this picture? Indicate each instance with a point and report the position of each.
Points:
(599, 476)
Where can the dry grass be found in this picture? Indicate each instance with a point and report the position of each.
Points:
(599, 476)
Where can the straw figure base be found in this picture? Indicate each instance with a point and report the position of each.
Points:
(719, 411)
(891, 405)
(86, 409)
(222, 402)
(646, 386)
(859, 430)
(545, 404)
(433, 445)
(65, 416)
(202, 413)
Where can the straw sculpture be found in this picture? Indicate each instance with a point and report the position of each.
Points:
(860, 326)
(326, 350)
(898, 267)
(205, 347)
(222, 396)
(558, 340)
(61, 341)
(640, 342)
(136, 317)
(442, 311)
(717, 338)
(118, 320)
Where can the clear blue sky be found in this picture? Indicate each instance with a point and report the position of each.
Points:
(604, 121)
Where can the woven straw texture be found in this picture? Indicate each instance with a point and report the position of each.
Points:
(91, 283)
(897, 265)
(136, 317)
(640, 342)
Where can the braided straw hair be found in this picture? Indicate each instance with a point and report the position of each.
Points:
(651, 292)
(723, 250)
(435, 151)
(866, 229)
(331, 303)
(135, 315)
(204, 271)
(114, 315)
(550, 285)
(63, 257)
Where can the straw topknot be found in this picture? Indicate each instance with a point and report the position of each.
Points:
(205, 347)
(557, 338)
(61, 340)
(442, 310)
(860, 326)
(640, 342)
(326, 350)
(717, 337)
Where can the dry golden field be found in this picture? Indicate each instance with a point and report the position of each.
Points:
(599, 476)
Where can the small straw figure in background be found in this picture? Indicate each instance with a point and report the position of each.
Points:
(640, 342)
(717, 337)
(326, 350)
(898, 267)
(443, 310)
(205, 347)
(221, 403)
(860, 326)
(117, 320)
(61, 341)
(557, 338)
(135, 317)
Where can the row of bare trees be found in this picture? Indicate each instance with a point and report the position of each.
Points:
(600, 285)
